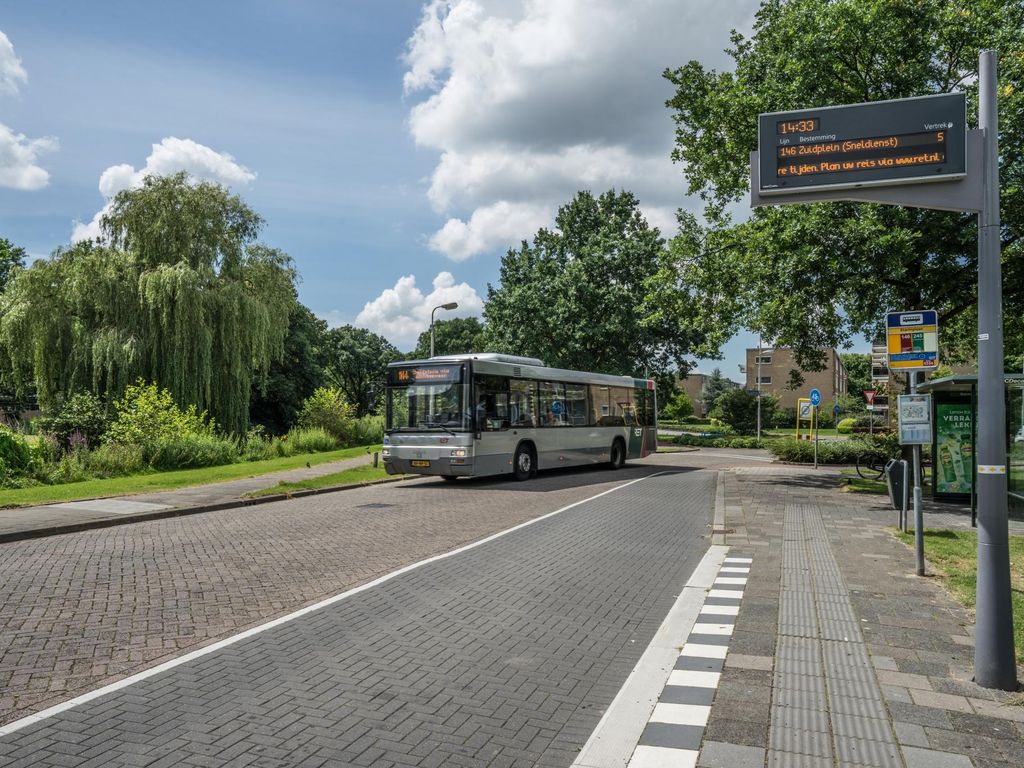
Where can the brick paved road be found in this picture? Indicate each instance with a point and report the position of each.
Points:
(503, 655)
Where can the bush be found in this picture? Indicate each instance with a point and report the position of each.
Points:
(309, 440)
(78, 423)
(692, 420)
(829, 451)
(256, 447)
(192, 451)
(738, 409)
(326, 409)
(720, 441)
(114, 460)
(17, 461)
(679, 407)
(367, 430)
(148, 416)
(846, 426)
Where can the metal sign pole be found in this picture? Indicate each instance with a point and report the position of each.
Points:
(994, 664)
(918, 516)
(814, 421)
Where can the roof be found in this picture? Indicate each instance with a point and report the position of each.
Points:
(963, 382)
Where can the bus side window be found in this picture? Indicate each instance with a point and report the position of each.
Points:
(598, 405)
(522, 403)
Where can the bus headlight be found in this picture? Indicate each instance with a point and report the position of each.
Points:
(460, 452)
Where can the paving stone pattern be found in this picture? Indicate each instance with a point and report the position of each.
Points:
(504, 655)
(83, 609)
(841, 655)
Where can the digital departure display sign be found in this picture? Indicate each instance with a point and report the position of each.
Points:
(886, 142)
(425, 374)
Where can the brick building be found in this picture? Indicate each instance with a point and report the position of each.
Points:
(777, 362)
(693, 385)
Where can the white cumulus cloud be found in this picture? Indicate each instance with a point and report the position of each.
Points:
(18, 154)
(168, 157)
(529, 101)
(11, 71)
(402, 313)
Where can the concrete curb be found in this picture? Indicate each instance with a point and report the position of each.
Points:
(56, 530)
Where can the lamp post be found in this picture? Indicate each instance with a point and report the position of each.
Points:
(449, 305)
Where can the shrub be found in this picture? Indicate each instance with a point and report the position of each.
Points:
(679, 407)
(147, 415)
(310, 440)
(81, 419)
(720, 441)
(256, 446)
(16, 458)
(191, 451)
(846, 426)
(829, 451)
(114, 460)
(693, 420)
(367, 430)
(738, 409)
(326, 409)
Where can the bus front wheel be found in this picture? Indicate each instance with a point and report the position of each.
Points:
(618, 455)
(523, 463)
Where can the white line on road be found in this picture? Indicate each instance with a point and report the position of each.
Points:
(17, 725)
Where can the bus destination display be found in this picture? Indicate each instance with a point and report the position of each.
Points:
(889, 142)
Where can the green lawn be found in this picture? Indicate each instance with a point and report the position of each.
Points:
(954, 555)
(356, 475)
(851, 482)
(165, 481)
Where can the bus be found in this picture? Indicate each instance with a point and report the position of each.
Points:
(491, 414)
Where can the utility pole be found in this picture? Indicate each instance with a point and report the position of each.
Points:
(994, 664)
(760, 344)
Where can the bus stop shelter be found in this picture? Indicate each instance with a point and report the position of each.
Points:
(954, 416)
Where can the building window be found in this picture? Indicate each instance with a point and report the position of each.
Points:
(763, 360)
(765, 380)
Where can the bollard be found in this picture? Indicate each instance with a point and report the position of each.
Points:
(375, 456)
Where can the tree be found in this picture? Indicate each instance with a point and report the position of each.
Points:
(738, 409)
(858, 372)
(356, 363)
(817, 276)
(679, 407)
(179, 295)
(714, 387)
(457, 336)
(572, 296)
(11, 257)
(294, 377)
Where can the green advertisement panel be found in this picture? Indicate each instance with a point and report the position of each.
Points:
(954, 451)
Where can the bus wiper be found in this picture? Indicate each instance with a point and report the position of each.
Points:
(437, 425)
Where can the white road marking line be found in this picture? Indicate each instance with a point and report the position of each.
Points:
(735, 570)
(730, 580)
(663, 757)
(704, 651)
(732, 594)
(681, 714)
(712, 629)
(721, 610)
(747, 560)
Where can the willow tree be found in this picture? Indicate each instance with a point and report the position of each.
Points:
(176, 292)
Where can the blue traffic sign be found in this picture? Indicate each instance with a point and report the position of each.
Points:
(836, 409)
(815, 398)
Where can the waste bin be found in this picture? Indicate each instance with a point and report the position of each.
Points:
(897, 479)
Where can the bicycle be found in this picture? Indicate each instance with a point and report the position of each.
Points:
(871, 465)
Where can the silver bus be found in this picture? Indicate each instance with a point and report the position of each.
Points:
(490, 414)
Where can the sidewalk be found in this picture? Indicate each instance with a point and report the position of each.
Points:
(46, 519)
(840, 654)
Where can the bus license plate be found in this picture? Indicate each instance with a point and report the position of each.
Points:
(419, 463)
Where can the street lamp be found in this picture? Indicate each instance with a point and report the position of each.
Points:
(449, 305)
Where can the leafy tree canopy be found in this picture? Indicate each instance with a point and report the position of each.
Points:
(179, 295)
(817, 276)
(858, 372)
(572, 296)
(294, 377)
(356, 362)
(11, 256)
(457, 336)
(715, 385)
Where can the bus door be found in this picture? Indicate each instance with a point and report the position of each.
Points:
(635, 438)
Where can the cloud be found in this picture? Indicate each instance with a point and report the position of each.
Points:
(18, 154)
(402, 313)
(11, 71)
(168, 157)
(529, 101)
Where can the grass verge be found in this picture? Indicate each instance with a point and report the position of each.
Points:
(364, 474)
(851, 482)
(165, 481)
(954, 555)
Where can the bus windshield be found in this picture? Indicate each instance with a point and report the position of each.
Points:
(427, 398)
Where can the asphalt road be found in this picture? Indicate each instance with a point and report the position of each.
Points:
(504, 654)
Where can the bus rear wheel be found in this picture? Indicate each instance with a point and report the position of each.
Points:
(449, 478)
(618, 455)
(522, 463)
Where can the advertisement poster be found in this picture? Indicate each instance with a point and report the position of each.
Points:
(954, 459)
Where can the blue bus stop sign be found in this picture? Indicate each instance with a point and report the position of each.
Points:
(835, 409)
(815, 398)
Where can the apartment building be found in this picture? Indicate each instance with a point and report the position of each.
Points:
(777, 362)
(693, 384)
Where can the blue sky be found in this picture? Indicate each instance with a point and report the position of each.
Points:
(396, 149)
